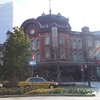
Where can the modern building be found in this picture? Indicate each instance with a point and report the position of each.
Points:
(62, 54)
(11, 15)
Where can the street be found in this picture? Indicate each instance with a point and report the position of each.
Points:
(51, 98)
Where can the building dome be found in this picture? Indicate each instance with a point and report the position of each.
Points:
(46, 22)
(61, 21)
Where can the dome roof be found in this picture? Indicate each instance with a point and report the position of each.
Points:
(59, 20)
(52, 17)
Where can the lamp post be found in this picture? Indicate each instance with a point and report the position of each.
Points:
(86, 58)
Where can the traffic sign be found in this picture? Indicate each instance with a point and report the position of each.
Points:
(32, 63)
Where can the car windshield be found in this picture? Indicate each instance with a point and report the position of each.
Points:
(39, 79)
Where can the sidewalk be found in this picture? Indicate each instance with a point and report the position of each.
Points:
(92, 84)
(95, 86)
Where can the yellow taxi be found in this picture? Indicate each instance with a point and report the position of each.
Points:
(37, 82)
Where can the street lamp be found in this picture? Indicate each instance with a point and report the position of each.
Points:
(86, 58)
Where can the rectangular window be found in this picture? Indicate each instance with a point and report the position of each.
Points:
(90, 54)
(97, 44)
(37, 44)
(33, 44)
(43, 26)
(47, 40)
(47, 53)
(89, 42)
(37, 57)
(62, 53)
(79, 45)
(46, 25)
(61, 39)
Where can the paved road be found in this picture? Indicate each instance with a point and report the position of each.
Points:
(52, 98)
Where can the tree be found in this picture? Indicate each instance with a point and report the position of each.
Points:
(16, 54)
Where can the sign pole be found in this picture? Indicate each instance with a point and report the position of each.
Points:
(32, 63)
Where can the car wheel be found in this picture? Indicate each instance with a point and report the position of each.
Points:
(27, 87)
(51, 86)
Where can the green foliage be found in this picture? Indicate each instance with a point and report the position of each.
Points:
(16, 54)
(12, 91)
(16, 91)
(79, 91)
(39, 91)
(60, 91)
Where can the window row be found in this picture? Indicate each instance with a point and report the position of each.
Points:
(75, 44)
(77, 56)
(61, 54)
(47, 39)
(74, 56)
(59, 25)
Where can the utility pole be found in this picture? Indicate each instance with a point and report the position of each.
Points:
(86, 58)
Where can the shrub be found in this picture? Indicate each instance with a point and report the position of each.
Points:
(12, 91)
(39, 91)
(60, 91)
(16, 91)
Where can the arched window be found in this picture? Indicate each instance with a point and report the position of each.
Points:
(62, 53)
(75, 57)
(74, 43)
(80, 57)
(90, 54)
(79, 45)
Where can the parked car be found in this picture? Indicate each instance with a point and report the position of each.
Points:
(37, 82)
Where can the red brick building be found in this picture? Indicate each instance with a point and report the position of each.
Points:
(58, 51)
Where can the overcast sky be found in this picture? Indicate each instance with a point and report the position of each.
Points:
(80, 12)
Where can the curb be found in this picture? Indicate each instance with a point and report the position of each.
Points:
(33, 95)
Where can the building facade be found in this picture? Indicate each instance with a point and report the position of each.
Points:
(62, 54)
